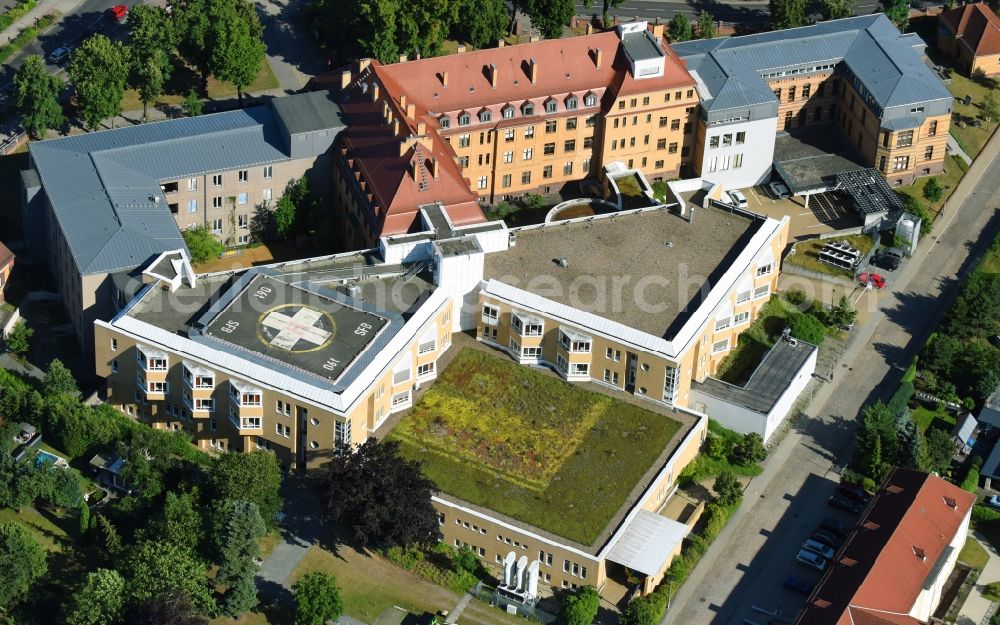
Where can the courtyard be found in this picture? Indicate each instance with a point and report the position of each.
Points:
(531, 446)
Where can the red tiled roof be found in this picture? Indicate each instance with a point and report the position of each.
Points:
(880, 572)
(6, 256)
(976, 26)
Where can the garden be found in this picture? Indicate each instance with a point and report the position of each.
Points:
(530, 445)
(805, 254)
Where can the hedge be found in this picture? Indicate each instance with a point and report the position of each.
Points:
(984, 513)
(9, 16)
(26, 36)
(899, 400)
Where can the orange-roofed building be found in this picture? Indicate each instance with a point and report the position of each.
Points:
(970, 35)
(502, 122)
(893, 568)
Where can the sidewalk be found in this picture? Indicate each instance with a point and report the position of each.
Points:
(957, 150)
(43, 7)
(978, 608)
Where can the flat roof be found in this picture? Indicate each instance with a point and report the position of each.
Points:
(646, 269)
(810, 161)
(769, 380)
(639, 46)
(648, 542)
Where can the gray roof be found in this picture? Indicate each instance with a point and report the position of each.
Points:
(306, 112)
(888, 65)
(990, 414)
(104, 186)
(965, 428)
(640, 46)
(648, 542)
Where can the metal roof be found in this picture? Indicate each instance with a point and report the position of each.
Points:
(104, 186)
(868, 47)
(306, 112)
(647, 543)
(965, 428)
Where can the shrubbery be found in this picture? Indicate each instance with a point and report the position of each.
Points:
(11, 15)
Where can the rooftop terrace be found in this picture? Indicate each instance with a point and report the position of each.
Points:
(524, 444)
(647, 270)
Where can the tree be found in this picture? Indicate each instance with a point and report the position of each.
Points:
(806, 328)
(750, 449)
(382, 497)
(254, 477)
(423, 25)
(291, 207)
(728, 488)
(149, 80)
(58, 379)
(898, 12)
(484, 21)
(875, 466)
(171, 609)
(606, 7)
(19, 339)
(989, 109)
(157, 570)
(153, 41)
(706, 25)
(100, 601)
(237, 47)
(238, 547)
(192, 24)
(843, 314)
(22, 561)
(933, 190)
(788, 13)
(642, 611)
(181, 521)
(192, 104)
(84, 518)
(912, 452)
(940, 449)
(112, 541)
(837, 9)
(550, 16)
(317, 599)
(202, 244)
(37, 97)
(580, 608)
(680, 28)
(99, 70)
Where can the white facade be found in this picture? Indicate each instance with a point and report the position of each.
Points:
(929, 598)
(742, 153)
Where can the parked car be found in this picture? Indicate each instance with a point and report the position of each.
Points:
(779, 190)
(797, 585)
(872, 279)
(993, 501)
(827, 538)
(817, 547)
(839, 501)
(853, 491)
(812, 560)
(737, 199)
(118, 12)
(835, 526)
(886, 261)
(59, 54)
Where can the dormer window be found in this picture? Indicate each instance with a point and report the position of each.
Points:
(571, 103)
(917, 551)
(464, 119)
(550, 106)
(444, 121)
(590, 100)
(508, 112)
(485, 115)
(528, 109)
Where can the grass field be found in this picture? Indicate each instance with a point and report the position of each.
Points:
(807, 253)
(970, 139)
(954, 169)
(926, 418)
(183, 80)
(991, 261)
(973, 554)
(530, 445)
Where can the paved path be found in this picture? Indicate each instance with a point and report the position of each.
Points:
(957, 150)
(458, 609)
(754, 552)
(291, 50)
(302, 527)
(977, 608)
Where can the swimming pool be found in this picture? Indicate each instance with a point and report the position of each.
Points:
(44, 457)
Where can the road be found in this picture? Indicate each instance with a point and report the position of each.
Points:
(745, 12)
(746, 565)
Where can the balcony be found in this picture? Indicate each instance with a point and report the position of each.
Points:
(245, 425)
(151, 360)
(169, 187)
(198, 378)
(526, 325)
(246, 396)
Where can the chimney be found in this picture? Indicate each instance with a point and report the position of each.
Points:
(444, 78)
(501, 43)
(434, 169)
(533, 39)
(375, 91)
(493, 75)
(460, 49)
(598, 56)
(402, 58)
(345, 78)
(590, 29)
(658, 32)
(402, 101)
(395, 127)
(421, 128)
(411, 111)
(533, 70)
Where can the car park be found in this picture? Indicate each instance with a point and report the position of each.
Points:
(835, 526)
(838, 501)
(779, 190)
(819, 548)
(59, 54)
(797, 585)
(737, 199)
(871, 279)
(812, 560)
(827, 538)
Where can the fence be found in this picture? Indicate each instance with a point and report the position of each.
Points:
(13, 143)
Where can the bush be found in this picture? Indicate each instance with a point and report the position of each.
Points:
(10, 16)
(728, 488)
(580, 608)
(899, 400)
(971, 481)
(25, 37)
(795, 297)
(717, 447)
(750, 450)
(19, 339)
(644, 610)
(933, 191)
(983, 513)
(807, 328)
(202, 244)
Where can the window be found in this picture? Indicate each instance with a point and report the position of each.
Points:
(713, 142)
(529, 132)
(508, 135)
(590, 100)
(549, 148)
(531, 352)
(571, 123)
(528, 109)
(550, 106)
(342, 438)
(445, 122)
(528, 152)
(114, 345)
(763, 270)
(881, 164)
(561, 363)
(464, 119)
(400, 399)
(265, 195)
(217, 226)
(483, 182)
(283, 408)
(741, 318)
(217, 201)
(204, 405)
(741, 137)
(929, 153)
(526, 177)
(570, 146)
(505, 181)
(743, 296)
(575, 345)
(464, 141)
(588, 143)
(904, 139)
(720, 346)
(551, 126)
(244, 175)
(485, 116)
(526, 327)
(762, 291)
(805, 91)
(192, 184)
(242, 198)
(727, 140)
(547, 171)
(268, 172)
(721, 324)
(633, 103)
(932, 129)
(425, 369)
(611, 377)
(791, 94)
(508, 157)
(713, 164)
(658, 165)
(217, 180)
(568, 168)
(901, 163)
(192, 206)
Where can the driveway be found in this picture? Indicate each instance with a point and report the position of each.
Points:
(746, 562)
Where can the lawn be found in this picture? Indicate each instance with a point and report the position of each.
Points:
(926, 418)
(45, 531)
(970, 138)
(991, 261)
(754, 342)
(805, 254)
(183, 80)
(631, 192)
(973, 554)
(530, 445)
(249, 257)
(954, 169)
